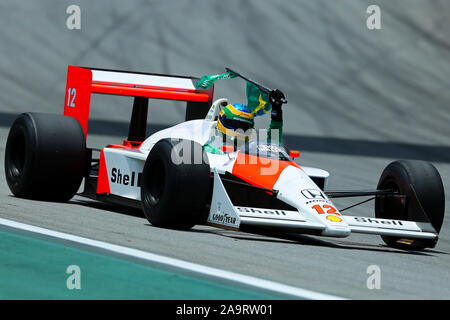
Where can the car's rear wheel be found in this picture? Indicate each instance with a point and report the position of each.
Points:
(175, 184)
(415, 180)
(45, 157)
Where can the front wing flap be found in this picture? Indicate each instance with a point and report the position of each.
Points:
(389, 227)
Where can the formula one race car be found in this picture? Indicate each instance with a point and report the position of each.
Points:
(178, 184)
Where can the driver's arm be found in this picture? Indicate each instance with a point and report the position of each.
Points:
(276, 98)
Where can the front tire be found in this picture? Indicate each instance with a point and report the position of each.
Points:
(175, 184)
(45, 157)
(404, 176)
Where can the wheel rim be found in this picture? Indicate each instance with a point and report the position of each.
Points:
(156, 182)
(392, 206)
(17, 155)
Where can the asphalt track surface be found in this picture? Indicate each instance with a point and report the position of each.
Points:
(358, 99)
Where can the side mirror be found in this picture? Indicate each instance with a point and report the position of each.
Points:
(294, 154)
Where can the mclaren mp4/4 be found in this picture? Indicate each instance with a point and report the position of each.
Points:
(178, 184)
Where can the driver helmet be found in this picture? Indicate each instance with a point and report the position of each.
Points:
(236, 120)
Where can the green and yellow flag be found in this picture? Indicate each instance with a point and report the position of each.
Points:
(206, 82)
(257, 100)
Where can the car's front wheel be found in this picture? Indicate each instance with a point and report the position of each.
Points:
(175, 184)
(414, 181)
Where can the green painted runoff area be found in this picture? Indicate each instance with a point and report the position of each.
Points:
(32, 268)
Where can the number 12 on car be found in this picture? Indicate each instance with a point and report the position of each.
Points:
(326, 208)
(71, 94)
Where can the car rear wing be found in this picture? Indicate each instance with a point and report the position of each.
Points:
(83, 81)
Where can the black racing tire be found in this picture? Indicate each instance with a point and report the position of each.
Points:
(175, 189)
(45, 157)
(427, 183)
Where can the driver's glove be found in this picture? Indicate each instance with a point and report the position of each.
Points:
(276, 99)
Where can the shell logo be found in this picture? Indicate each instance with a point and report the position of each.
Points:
(334, 219)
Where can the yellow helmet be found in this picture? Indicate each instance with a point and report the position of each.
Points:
(235, 120)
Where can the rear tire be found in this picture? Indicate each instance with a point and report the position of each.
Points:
(45, 157)
(427, 183)
(175, 186)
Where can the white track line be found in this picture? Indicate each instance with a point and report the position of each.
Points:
(167, 263)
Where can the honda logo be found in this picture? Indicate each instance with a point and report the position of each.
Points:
(313, 194)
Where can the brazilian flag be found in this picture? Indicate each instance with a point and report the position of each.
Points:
(257, 100)
(206, 82)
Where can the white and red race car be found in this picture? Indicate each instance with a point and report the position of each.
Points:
(178, 184)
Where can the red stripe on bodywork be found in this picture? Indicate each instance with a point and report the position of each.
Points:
(103, 180)
(127, 145)
(258, 171)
